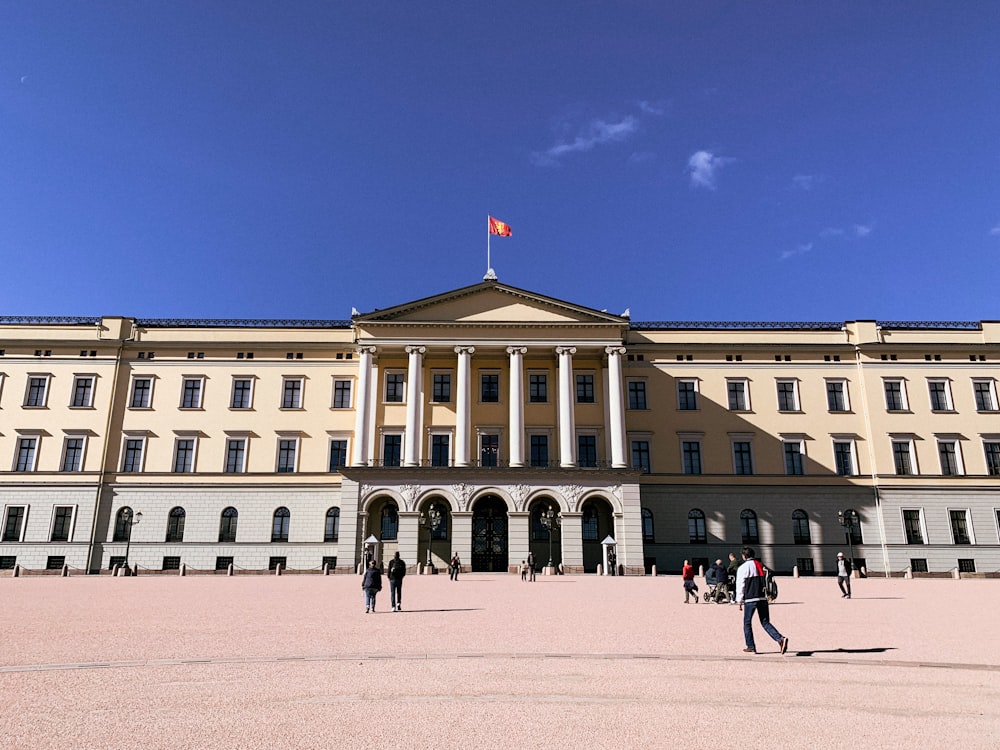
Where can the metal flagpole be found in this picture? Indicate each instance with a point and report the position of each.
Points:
(488, 266)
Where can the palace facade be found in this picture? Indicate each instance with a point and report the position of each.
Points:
(491, 422)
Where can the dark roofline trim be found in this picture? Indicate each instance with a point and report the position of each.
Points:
(732, 325)
(238, 323)
(47, 320)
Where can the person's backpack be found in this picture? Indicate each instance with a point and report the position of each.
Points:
(770, 586)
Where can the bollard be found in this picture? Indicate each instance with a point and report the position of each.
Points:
(114, 570)
(229, 570)
(17, 571)
(600, 569)
(955, 574)
(653, 571)
(795, 571)
(277, 569)
(184, 569)
(360, 568)
(907, 573)
(135, 570)
(65, 571)
(701, 571)
(326, 569)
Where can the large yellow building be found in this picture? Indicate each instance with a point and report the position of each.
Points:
(470, 422)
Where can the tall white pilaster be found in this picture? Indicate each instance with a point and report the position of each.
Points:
(463, 400)
(616, 408)
(414, 400)
(567, 420)
(359, 452)
(516, 404)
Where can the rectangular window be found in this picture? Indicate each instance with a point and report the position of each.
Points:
(540, 450)
(960, 526)
(394, 387)
(83, 391)
(142, 392)
(72, 454)
(440, 450)
(26, 454)
(538, 388)
(55, 562)
(637, 394)
(940, 395)
(171, 563)
(184, 456)
(242, 394)
(687, 395)
(902, 457)
(341, 394)
(489, 392)
(586, 450)
(441, 391)
(223, 563)
(951, 464)
(236, 453)
(788, 395)
(793, 458)
(913, 527)
(640, 455)
(742, 457)
(992, 450)
(338, 454)
(895, 395)
(7, 562)
(738, 395)
(291, 393)
(805, 566)
(392, 450)
(287, 450)
(691, 455)
(37, 392)
(966, 565)
(836, 395)
(843, 454)
(585, 389)
(918, 564)
(132, 456)
(489, 450)
(191, 394)
(13, 525)
(62, 523)
(986, 395)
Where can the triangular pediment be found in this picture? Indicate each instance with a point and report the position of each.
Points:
(489, 303)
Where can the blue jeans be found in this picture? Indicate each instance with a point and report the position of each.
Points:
(370, 595)
(763, 613)
(396, 592)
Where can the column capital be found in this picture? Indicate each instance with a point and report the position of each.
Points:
(465, 350)
(613, 350)
(416, 349)
(517, 350)
(560, 350)
(366, 349)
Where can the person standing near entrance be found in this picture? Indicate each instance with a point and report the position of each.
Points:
(454, 567)
(752, 597)
(844, 575)
(531, 566)
(395, 573)
(690, 587)
(524, 570)
(371, 584)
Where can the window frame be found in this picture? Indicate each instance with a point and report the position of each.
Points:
(394, 386)
(337, 438)
(438, 440)
(687, 400)
(967, 518)
(22, 526)
(587, 443)
(991, 453)
(190, 465)
(441, 390)
(636, 393)
(175, 525)
(851, 453)
(342, 387)
(749, 526)
(22, 451)
(697, 452)
(37, 389)
(844, 395)
(288, 383)
(67, 437)
(796, 405)
(280, 464)
(186, 381)
(280, 528)
(247, 392)
(697, 526)
(392, 435)
(990, 393)
(585, 387)
(228, 467)
(88, 401)
(143, 440)
(331, 534)
(486, 393)
(639, 448)
(542, 439)
(904, 402)
(490, 436)
(749, 455)
(911, 456)
(800, 522)
(71, 522)
(944, 392)
(786, 444)
(229, 524)
(538, 387)
(921, 526)
(151, 379)
(942, 442)
(742, 395)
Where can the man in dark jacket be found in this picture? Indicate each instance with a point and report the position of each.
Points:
(395, 573)
(371, 584)
(751, 595)
(844, 575)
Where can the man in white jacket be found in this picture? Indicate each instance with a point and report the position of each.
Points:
(752, 597)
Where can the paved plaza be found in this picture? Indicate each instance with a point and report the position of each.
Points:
(492, 662)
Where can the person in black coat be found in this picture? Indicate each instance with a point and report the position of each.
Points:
(395, 573)
(844, 575)
(371, 584)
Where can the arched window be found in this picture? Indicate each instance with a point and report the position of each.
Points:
(589, 521)
(332, 531)
(647, 525)
(279, 529)
(696, 527)
(441, 532)
(748, 527)
(227, 525)
(175, 525)
(800, 527)
(122, 527)
(390, 522)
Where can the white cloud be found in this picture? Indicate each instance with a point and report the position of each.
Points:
(806, 182)
(799, 250)
(862, 230)
(658, 108)
(995, 231)
(596, 133)
(703, 165)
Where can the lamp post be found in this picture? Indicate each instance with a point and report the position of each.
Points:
(129, 522)
(432, 520)
(551, 520)
(847, 519)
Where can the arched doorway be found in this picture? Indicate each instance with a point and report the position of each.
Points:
(434, 541)
(597, 523)
(489, 535)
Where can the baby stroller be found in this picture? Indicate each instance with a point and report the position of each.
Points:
(718, 591)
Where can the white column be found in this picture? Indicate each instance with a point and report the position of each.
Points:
(567, 421)
(414, 400)
(616, 408)
(359, 452)
(516, 404)
(463, 400)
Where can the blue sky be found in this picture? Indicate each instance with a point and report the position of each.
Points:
(687, 160)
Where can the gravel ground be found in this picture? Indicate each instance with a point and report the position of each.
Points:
(492, 662)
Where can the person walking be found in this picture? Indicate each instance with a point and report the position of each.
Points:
(690, 587)
(844, 575)
(395, 574)
(454, 567)
(524, 570)
(750, 595)
(371, 584)
(731, 569)
(531, 566)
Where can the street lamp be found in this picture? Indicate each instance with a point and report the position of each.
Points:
(128, 523)
(432, 520)
(848, 518)
(551, 520)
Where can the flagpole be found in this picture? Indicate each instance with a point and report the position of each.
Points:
(488, 266)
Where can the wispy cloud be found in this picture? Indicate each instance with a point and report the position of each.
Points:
(995, 231)
(806, 182)
(657, 108)
(703, 166)
(799, 250)
(595, 133)
(862, 230)
(855, 230)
